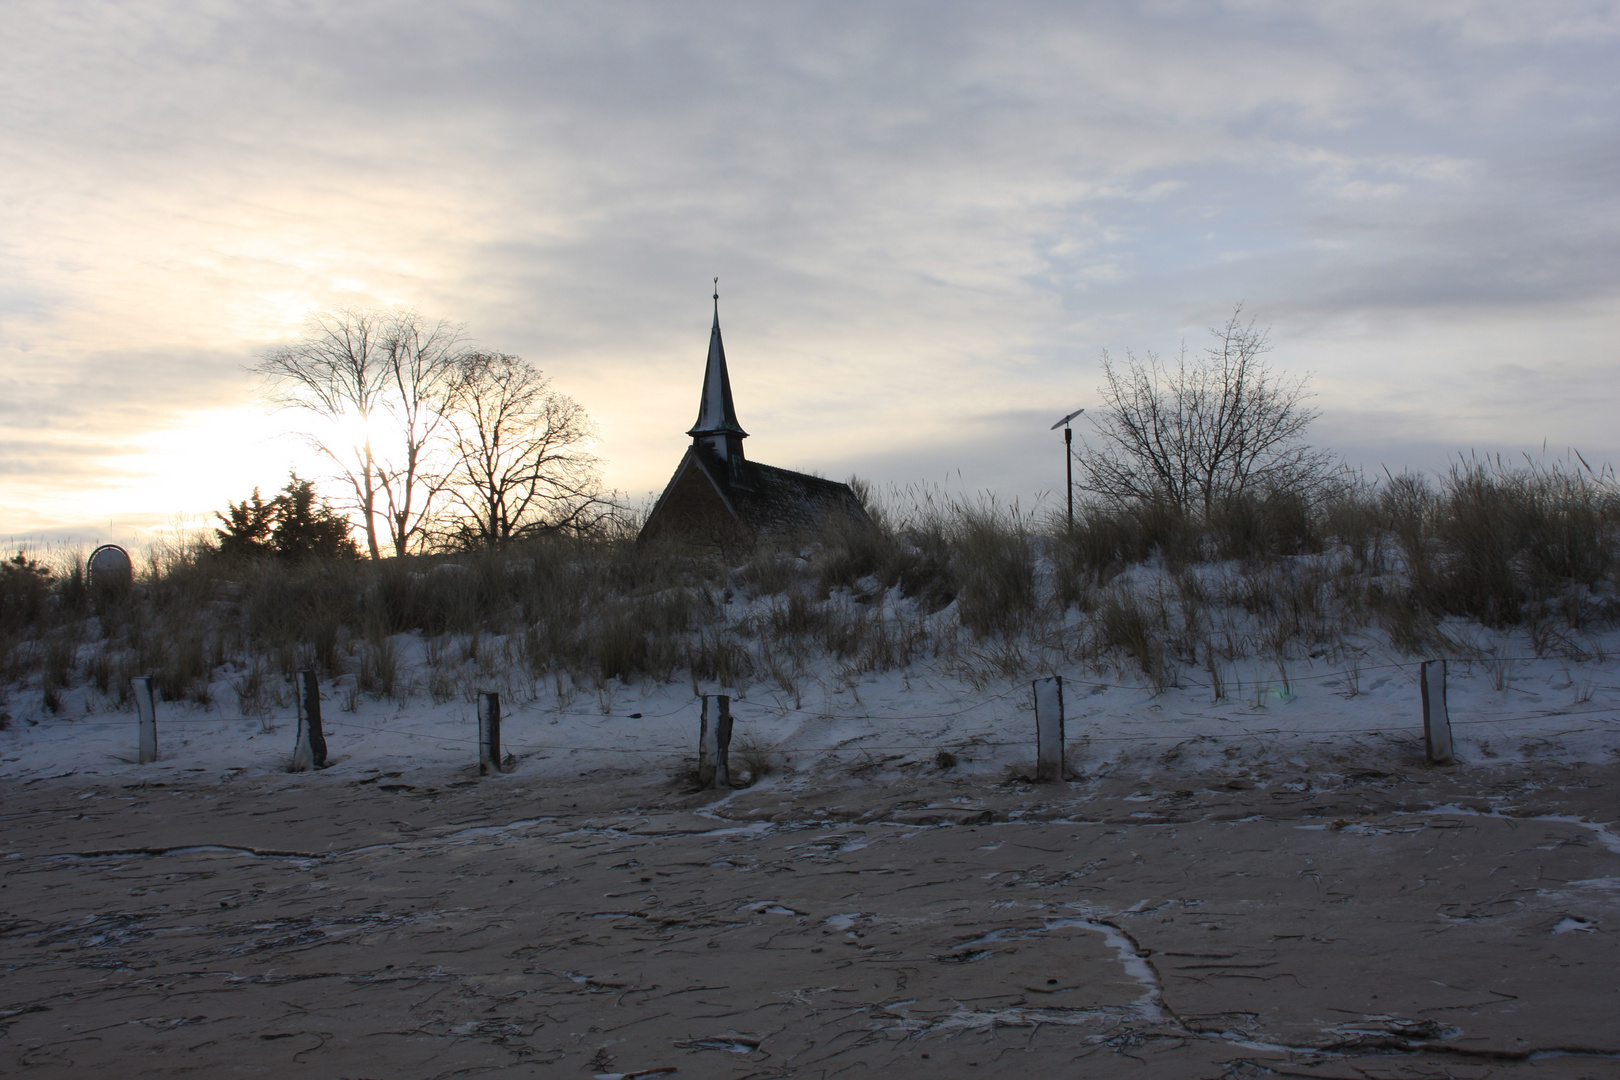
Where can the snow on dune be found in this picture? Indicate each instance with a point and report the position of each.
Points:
(1311, 712)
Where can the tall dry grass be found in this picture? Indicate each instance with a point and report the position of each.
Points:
(982, 589)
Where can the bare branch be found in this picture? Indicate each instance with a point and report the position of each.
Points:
(520, 467)
(1215, 426)
(382, 382)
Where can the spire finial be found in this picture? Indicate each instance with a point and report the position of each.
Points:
(716, 298)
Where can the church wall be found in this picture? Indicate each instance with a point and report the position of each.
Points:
(692, 510)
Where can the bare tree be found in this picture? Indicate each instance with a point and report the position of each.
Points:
(520, 467)
(382, 381)
(1211, 427)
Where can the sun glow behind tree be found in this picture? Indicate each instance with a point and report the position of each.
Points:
(930, 225)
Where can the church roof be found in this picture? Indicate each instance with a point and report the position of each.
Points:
(771, 500)
(747, 498)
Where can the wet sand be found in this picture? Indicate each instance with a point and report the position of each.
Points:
(1403, 922)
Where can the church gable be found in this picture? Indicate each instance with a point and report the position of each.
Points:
(693, 508)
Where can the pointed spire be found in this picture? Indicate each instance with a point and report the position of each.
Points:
(717, 417)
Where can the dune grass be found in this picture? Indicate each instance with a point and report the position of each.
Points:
(974, 588)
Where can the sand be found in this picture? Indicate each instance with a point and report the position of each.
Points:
(1399, 921)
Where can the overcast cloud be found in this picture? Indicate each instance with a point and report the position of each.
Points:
(929, 219)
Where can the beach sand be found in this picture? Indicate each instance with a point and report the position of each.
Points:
(1401, 921)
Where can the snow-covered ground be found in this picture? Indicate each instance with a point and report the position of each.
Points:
(1329, 715)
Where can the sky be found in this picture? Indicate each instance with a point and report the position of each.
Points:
(929, 220)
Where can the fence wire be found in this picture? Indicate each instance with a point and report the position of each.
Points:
(854, 745)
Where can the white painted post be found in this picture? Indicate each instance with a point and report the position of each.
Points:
(489, 733)
(1436, 717)
(310, 751)
(714, 744)
(1049, 728)
(146, 713)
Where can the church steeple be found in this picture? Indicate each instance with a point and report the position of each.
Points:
(717, 418)
(717, 498)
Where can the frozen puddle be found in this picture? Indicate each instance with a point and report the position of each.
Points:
(1073, 1001)
(187, 849)
(766, 907)
(1150, 1006)
(1599, 829)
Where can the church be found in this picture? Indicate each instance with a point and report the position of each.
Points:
(718, 496)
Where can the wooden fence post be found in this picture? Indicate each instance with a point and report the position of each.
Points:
(489, 733)
(1436, 717)
(310, 752)
(714, 744)
(1049, 728)
(146, 714)
(705, 748)
(722, 743)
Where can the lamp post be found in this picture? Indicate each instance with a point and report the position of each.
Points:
(1068, 459)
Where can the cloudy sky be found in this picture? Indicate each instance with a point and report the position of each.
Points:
(929, 219)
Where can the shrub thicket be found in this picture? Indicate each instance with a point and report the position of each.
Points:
(294, 525)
